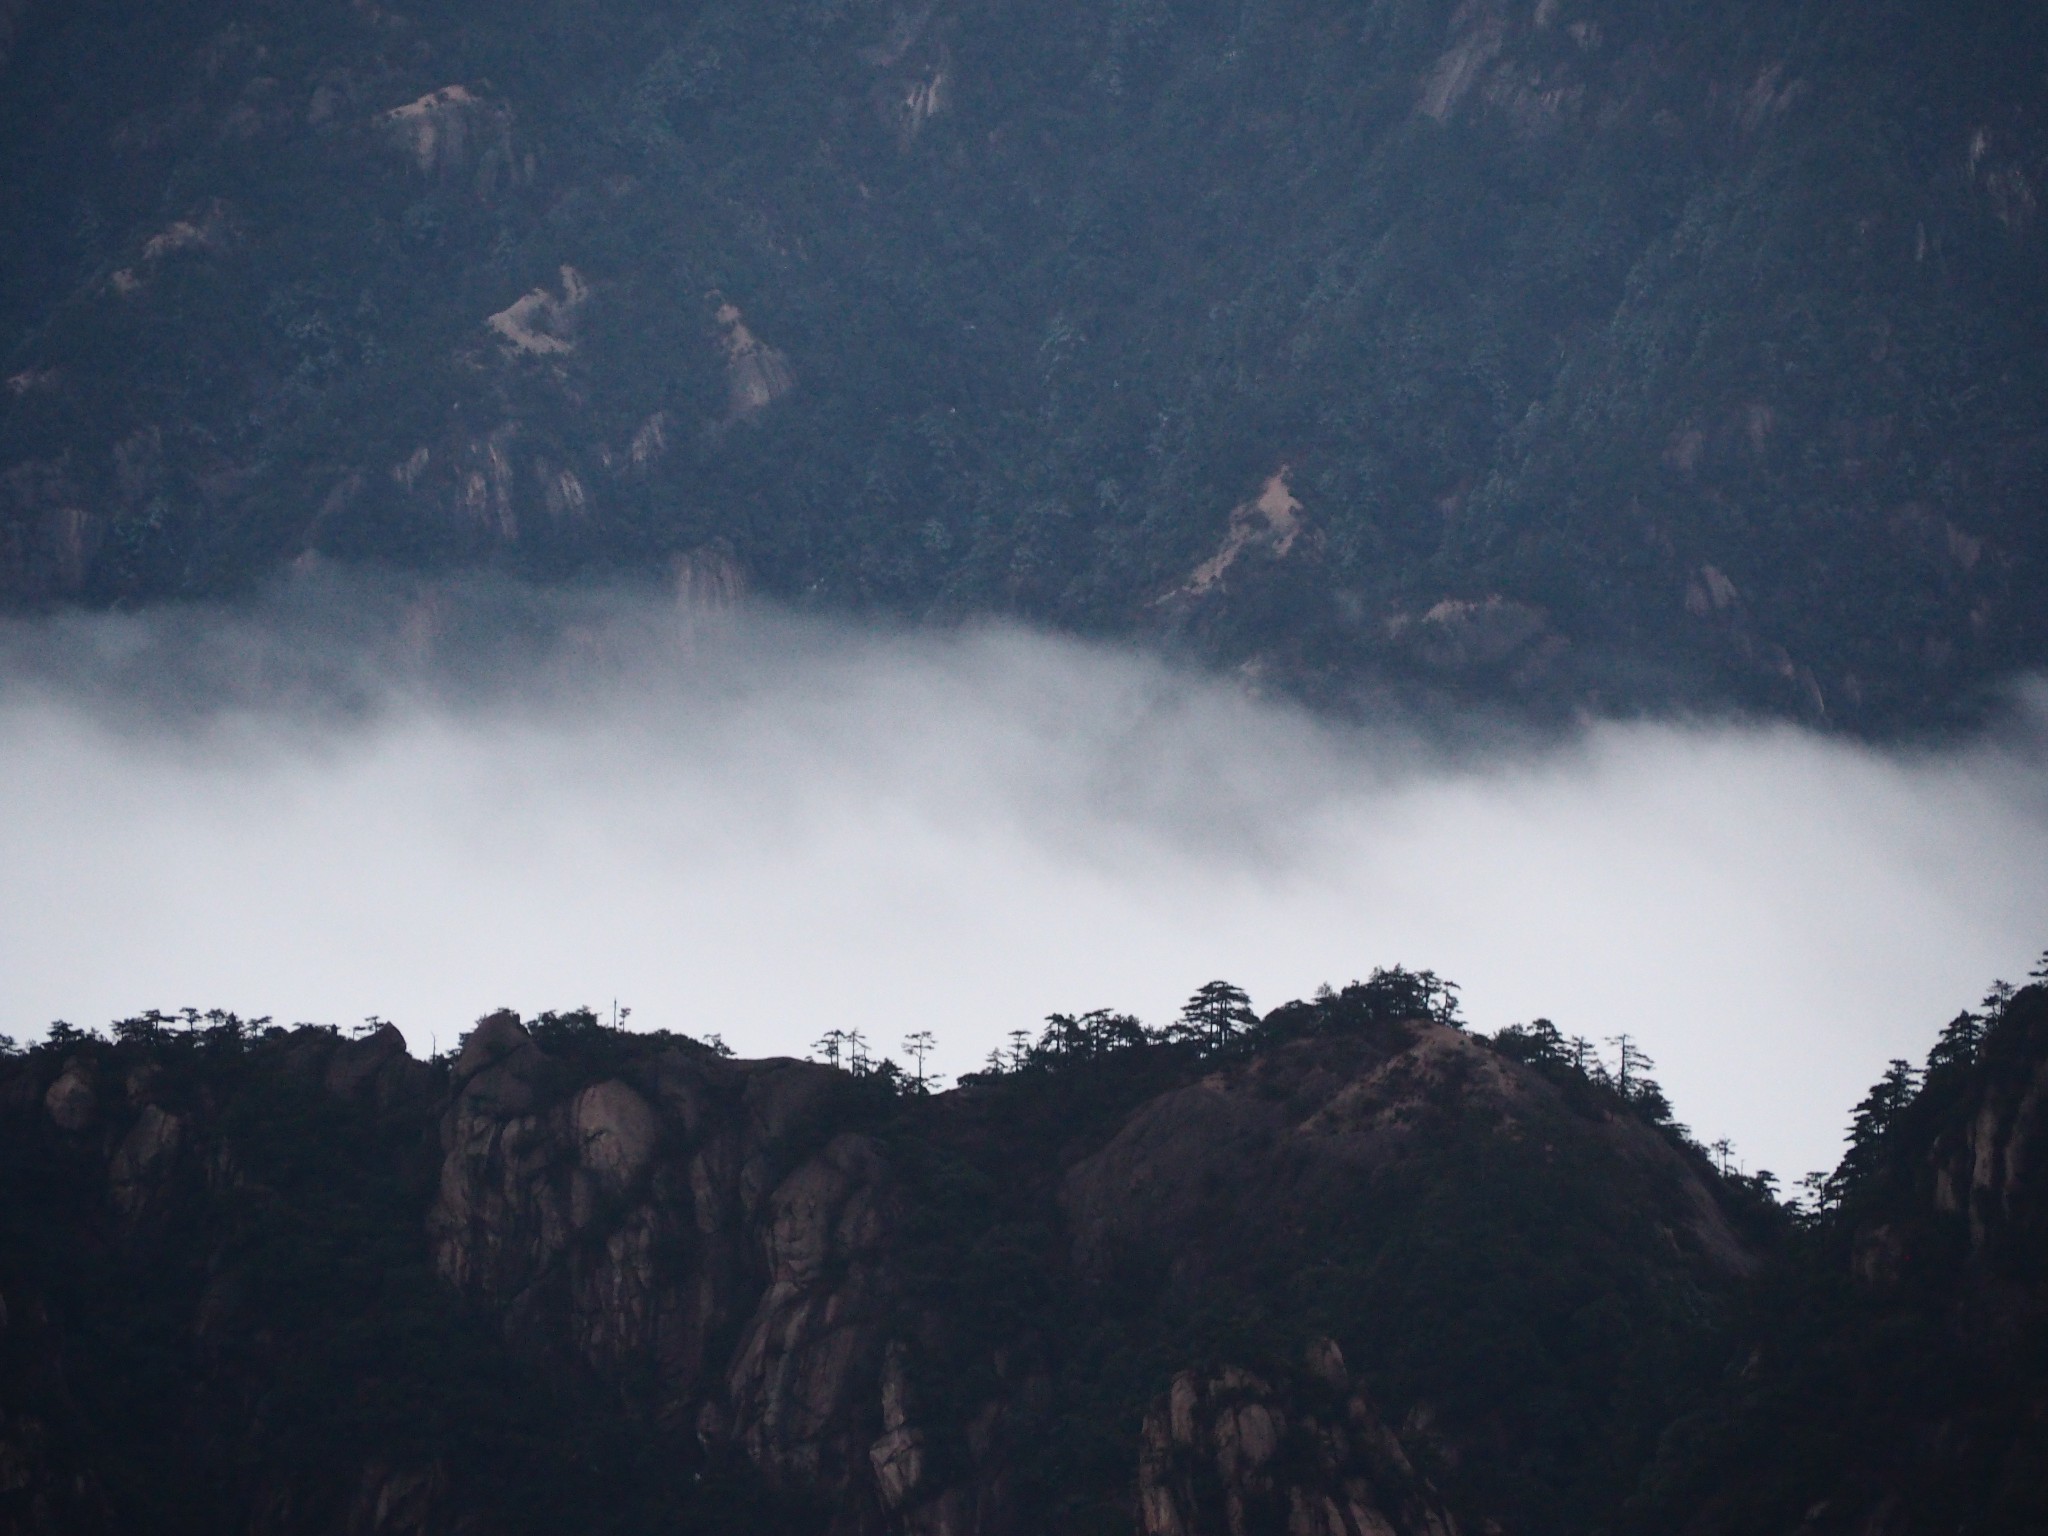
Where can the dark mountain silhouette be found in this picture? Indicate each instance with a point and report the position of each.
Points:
(1348, 1269)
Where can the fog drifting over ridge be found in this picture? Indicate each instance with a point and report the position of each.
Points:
(356, 800)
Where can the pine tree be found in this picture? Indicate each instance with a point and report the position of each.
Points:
(1871, 1127)
(1394, 994)
(1958, 1046)
(1216, 1015)
(918, 1045)
(1635, 1065)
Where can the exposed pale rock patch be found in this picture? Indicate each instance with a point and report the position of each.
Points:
(1227, 1453)
(1271, 521)
(208, 231)
(756, 374)
(446, 131)
(1459, 67)
(1460, 634)
(924, 98)
(541, 324)
(615, 1132)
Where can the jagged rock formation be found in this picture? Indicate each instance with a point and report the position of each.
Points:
(541, 324)
(305, 1284)
(1228, 1455)
(768, 1267)
(699, 1232)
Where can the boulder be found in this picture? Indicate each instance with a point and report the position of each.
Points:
(615, 1133)
(355, 1063)
(73, 1100)
(500, 1067)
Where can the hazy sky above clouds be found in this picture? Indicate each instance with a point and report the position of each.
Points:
(356, 801)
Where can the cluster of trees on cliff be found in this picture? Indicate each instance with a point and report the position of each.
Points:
(1216, 1021)
(1905, 1104)
(1892, 1355)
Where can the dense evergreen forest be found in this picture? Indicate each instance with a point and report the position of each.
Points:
(1345, 1268)
(1568, 352)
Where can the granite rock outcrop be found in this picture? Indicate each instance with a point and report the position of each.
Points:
(980, 1313)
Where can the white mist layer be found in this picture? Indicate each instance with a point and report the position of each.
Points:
(788, 829)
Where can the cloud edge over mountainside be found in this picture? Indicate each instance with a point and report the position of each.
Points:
(396, 798)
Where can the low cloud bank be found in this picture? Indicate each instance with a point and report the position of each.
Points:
(420, 804)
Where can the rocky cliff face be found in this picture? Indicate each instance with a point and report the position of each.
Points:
(698, 1226)
(1895, 1376)
(705, 1232)
(1226, 1453)
(1993, 1166)
(1106, 1297)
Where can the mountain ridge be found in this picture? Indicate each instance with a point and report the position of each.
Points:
(1609, 356)
(1345, 1269)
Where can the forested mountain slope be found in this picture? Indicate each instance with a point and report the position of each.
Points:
(1568, 351)
(1896, 1375)
(1345, 1270)
(1350, 1261)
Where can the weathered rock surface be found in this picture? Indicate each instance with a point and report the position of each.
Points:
(1246, 1159)
(688, 1223)
(359, 1064)
(1994, 1168)
(767, 1259)
(71, 1100)
(1225, 1453)
(143, 1161)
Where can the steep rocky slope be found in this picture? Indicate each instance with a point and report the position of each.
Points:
(1348, 1272)
(291, 1282)
(1897, 1376)
(1568, 351)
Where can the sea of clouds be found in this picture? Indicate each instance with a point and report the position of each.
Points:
(357, 798)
